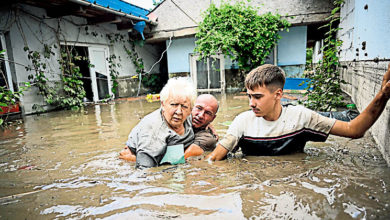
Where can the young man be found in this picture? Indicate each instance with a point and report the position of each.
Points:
(203, 113)
(273, 129)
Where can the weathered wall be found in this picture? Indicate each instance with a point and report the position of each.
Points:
(178, 54)
(291, 55)
(30, 26)
(365, 54)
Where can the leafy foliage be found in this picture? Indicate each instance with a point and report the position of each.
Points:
(153, 82)
(8, 97)
(114, 73)
(68, 93)
(309, 59)
(137, 61)
(326, 92)
(239, 32)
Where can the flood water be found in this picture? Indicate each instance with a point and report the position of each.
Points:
(65, 165)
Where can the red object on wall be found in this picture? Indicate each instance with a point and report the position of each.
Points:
(9, 109)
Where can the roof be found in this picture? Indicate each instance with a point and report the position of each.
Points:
(122, 6)
(119, 12)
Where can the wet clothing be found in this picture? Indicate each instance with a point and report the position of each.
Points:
(295, 126)
(205, 139)
(347, 115)
(151, 136)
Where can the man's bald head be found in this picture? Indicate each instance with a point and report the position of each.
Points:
(204, 111)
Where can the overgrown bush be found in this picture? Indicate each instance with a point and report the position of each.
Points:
(238, 31)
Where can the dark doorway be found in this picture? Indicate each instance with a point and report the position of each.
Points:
(82, 62)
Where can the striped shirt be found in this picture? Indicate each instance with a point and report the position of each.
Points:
(289, 133)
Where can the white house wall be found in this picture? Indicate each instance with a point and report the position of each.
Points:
(363, 66)
(291, 55)
(38, 31)
(178, 54)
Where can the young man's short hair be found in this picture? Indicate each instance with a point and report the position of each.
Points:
(267, 75)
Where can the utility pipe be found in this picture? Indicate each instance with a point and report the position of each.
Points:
(81, 2)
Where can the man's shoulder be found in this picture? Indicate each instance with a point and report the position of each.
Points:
(247, 114)
(296, 109)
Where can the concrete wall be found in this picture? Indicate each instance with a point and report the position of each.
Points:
(178, 54)
(30, 26)
(363, 64)
(363, 30)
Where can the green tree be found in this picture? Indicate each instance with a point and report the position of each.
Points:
(325, 86)
(238, 31)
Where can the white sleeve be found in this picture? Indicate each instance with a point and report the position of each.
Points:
(233, 134)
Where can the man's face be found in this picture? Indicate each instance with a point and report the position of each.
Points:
(263, 100)
(176, 110)
(204, 112)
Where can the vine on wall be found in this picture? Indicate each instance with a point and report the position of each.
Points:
(325, 84)
(69, 92)
(151, 81)
(113, 66)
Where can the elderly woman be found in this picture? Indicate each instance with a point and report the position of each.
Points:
(168, 125)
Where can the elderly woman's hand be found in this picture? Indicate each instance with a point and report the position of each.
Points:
(126, 154)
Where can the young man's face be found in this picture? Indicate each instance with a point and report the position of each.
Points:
(263, 101)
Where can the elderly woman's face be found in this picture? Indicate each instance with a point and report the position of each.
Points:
(176, 110)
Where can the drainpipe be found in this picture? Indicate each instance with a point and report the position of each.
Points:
(81, 2)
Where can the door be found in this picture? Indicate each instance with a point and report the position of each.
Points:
(208, 74)
(101, 80)
(5, 72)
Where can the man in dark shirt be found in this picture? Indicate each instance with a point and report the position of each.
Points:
(203, 113)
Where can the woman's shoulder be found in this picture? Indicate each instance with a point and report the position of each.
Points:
(152, 119)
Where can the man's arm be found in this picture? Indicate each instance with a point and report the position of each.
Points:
(357, 127)
(205, 140)
(192, 151)
(218, 153)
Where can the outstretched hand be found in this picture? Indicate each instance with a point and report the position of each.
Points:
(386, 83)
(126, 154)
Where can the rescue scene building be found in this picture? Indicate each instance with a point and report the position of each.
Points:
(96, 51)
(206, 109)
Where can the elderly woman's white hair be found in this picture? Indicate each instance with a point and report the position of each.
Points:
(181, 87)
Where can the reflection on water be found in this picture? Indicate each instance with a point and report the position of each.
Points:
(65, 165)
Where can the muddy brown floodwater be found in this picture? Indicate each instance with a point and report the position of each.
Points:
(65, 165)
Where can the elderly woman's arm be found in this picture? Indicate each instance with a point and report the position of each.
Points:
(126, 154)
(146, 141)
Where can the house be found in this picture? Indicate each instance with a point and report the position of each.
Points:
(94, 32)
(178, 20)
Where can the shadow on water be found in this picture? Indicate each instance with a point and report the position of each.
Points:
(65, 165)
